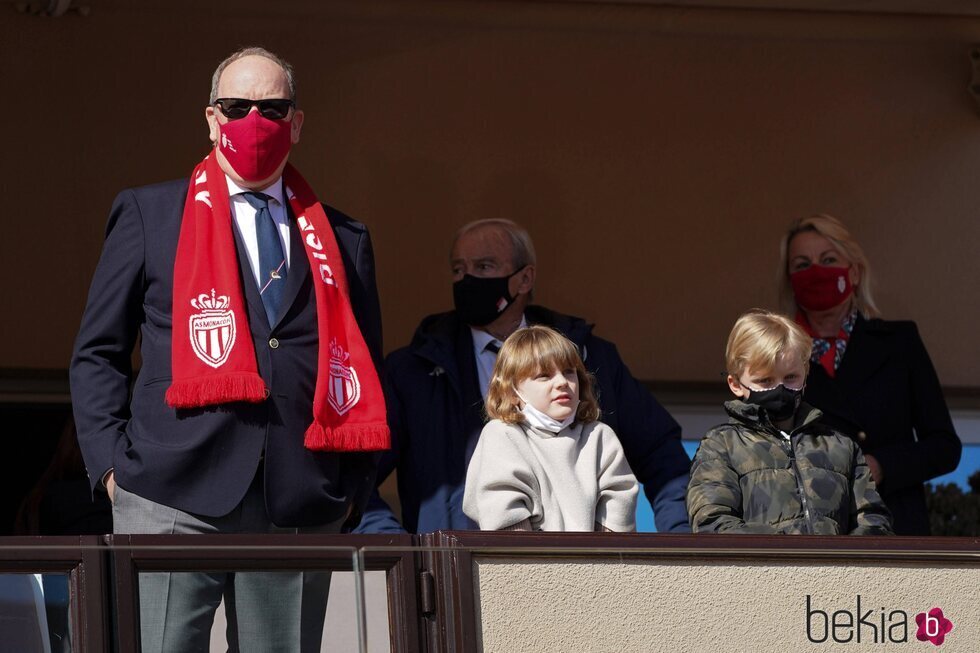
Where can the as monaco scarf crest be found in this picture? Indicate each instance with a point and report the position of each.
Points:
(344, 390)
(212, 331)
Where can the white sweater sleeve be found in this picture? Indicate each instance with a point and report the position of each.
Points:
(501, 488)
(618, 488)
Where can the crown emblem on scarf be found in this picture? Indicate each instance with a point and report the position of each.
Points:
(344, 388)
(337, 353)
(212, 302)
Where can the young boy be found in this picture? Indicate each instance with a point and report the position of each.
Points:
(774, 467)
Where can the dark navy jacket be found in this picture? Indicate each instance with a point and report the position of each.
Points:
(886, 396)
(203, 460)
(435, 410)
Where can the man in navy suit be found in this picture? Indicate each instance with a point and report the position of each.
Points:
(240, 466)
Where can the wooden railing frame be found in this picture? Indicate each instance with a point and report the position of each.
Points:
(84, 560)
(430, 578)
(133, 554)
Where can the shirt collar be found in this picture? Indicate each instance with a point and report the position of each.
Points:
(481, 338)
(273, 190)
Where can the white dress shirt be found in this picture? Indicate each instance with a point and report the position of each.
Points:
(244, 215)
(486, 358)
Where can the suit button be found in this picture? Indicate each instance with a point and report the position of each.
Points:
(274, 343)
(266, 393)
(862, 436)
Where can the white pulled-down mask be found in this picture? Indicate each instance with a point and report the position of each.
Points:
(543, 421)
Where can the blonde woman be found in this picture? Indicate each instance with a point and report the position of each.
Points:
(872, 378)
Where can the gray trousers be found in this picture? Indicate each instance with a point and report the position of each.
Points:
(266, 611)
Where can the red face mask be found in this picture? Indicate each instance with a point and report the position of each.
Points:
(820, 287)
(255, 146)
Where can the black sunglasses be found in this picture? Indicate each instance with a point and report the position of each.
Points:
(235, 108)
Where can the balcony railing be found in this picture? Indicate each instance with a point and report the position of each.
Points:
(482, 591)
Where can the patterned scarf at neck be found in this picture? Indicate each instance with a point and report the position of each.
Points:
(829, 352)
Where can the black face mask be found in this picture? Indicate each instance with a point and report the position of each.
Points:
(780, 402)
(480, 300)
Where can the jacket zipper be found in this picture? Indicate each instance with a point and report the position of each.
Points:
(799, 488)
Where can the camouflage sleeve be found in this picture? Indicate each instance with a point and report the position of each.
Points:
(869, 515)
(714, 496)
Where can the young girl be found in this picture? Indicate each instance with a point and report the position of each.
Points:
(544, 462)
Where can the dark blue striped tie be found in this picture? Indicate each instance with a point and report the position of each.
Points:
(272, 262)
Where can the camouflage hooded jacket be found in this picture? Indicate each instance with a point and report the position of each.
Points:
(748, 478)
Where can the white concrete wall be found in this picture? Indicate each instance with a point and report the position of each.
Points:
(717, 607)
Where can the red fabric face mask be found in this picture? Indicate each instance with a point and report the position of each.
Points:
(255, 146)
(820, 287)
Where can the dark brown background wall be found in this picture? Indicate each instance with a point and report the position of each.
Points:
(655, 154)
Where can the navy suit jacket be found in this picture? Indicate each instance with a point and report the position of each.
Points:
(202, 461)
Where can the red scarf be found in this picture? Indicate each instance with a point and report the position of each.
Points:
(213, 357)
(828, 352)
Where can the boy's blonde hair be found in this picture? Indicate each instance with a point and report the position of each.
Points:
(759, 338)
(833, 230)
(527, 353)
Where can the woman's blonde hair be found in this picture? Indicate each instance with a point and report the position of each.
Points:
(759, 338)
(527, 353)
(833, 230)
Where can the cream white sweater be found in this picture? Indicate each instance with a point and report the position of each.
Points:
(569, 481)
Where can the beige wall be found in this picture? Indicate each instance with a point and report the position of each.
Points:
(725, 606)
(654, 154)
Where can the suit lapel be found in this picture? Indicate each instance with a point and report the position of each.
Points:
(469, 380)
(470, 391)
(831, 397)
(866, 353)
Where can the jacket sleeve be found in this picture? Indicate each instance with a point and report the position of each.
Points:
(100, 372)
(616, 506)
(649, 435)
(378, 516)
(501, 489)
(936, 449)
(714, 496)
(869, 516)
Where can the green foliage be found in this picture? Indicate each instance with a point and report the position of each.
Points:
(953, 511)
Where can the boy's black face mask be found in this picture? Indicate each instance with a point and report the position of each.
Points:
(779, 402)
